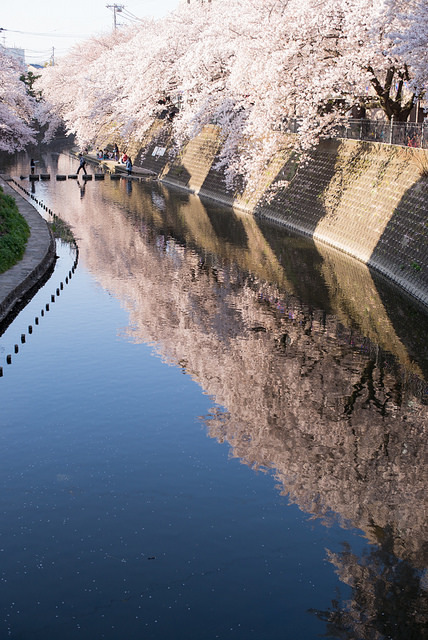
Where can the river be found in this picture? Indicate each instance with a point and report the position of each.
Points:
(212, 429)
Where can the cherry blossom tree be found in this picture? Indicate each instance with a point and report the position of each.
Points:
(247, 66)
(320, 58)
(84, 85)
(282, 59)
(24, 117)
(311, 59)
(411, 40)
(16, 107)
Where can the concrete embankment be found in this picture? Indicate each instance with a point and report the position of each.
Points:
(38, 258)
(368, 200)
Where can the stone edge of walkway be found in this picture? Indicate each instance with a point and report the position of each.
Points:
(39, 256)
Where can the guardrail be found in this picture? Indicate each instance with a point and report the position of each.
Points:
(404, 134)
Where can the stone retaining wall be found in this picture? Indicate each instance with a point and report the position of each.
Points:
(366, 199)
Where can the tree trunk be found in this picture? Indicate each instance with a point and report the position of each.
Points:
(390, 94)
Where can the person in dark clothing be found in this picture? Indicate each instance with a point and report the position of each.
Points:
(82, 164)
(129, 166)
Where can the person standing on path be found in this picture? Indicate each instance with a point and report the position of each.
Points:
(129, 166)
(82, 164)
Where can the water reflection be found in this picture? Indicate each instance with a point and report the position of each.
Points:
(389, 597)
(319, 379)
(82, 187)
(335, 380)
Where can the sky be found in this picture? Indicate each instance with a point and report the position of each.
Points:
(46, 27)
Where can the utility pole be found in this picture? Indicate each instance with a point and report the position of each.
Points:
(117, 8)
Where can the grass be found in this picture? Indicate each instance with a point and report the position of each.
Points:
(60, 229)
(420, 159)
(14, 232)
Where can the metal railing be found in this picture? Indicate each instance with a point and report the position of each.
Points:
(404, 134)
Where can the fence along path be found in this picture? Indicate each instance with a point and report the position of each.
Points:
(404, 134)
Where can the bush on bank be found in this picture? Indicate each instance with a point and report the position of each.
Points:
(14, 232)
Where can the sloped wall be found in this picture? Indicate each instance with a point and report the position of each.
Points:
(366, 199)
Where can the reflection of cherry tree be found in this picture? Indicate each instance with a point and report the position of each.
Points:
(339, 427)
(342, 428)
(246, 65)
(389, 597)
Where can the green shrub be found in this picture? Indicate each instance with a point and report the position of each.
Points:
(14, 232)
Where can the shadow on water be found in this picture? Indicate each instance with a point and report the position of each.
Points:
(404, 313)
(364, 301)
(228, 227)
(302, 263)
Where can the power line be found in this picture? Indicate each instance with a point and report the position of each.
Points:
(37, 50)
(48, 35)
(44, 57)
(131, 16)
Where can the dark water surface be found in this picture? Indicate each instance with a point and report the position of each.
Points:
(217, 430)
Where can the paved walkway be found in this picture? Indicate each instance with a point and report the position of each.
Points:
(39, 256)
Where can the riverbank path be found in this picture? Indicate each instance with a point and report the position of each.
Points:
(39, 255)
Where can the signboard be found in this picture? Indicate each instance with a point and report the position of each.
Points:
(158, 151)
